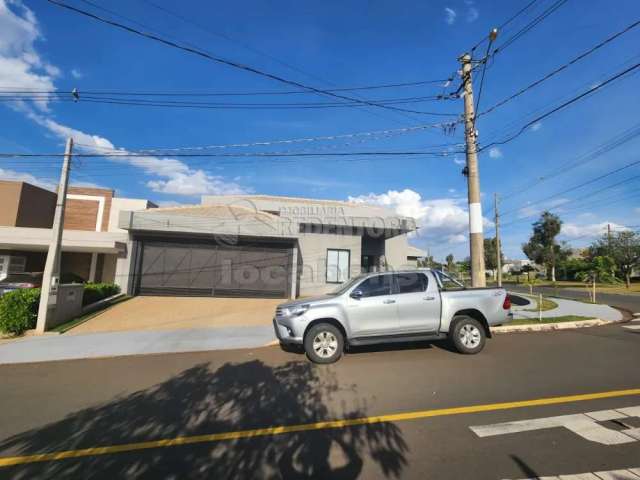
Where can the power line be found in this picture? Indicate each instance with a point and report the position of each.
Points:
(234, 155)
(576, 187)
(223, 61)
(506, 22)
(587, 195)
(606, 147)
(520, 33)
(369, 134)
(561, 68)
(18, 90)
(562, 106)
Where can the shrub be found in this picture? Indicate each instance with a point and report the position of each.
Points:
(94, 292)
(19, 310)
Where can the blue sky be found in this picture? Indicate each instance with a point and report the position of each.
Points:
(333, 44)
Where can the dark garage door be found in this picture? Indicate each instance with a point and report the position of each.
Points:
(170, 268)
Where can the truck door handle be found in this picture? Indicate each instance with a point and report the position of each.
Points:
(429, 298)
(389, 301)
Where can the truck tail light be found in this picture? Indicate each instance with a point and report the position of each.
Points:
(507, 302)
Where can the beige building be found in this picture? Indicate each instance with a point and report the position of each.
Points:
(236, 245)
(260, 245)
(92, 245)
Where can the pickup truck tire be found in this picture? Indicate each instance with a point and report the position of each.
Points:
(324, 343)
(467, 334)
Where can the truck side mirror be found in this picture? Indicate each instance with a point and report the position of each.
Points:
(357, 294)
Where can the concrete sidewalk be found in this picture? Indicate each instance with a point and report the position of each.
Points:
(112, 344)
(567, 307)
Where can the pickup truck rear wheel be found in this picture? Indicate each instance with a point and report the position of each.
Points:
(324, 343)
(467, 335)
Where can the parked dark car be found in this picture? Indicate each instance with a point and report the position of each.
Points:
(15, 281)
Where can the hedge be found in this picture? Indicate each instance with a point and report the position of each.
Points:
(19, 310)
(94, 292)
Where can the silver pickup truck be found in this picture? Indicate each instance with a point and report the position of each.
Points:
(392, 307)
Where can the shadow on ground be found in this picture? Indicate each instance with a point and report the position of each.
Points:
(201, 401)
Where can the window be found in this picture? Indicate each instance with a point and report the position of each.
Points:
(376, 286)
(411, 282)
(447, 282)
(338, 265)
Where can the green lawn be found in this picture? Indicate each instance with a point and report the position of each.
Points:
(534, 321)
(546, 304)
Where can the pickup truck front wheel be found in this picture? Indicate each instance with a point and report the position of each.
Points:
(324, 343)
(467, 335)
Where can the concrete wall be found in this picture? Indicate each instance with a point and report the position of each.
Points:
(24, 205)
(10, 200)
(396, 249)
(108, 268)
(125, 204)
(69, 305)
(37, 207)
(313, 255)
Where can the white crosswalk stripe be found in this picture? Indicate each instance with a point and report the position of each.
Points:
(628, 474)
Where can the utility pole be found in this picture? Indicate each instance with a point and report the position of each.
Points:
(476, 238)
(51, 277)
(498, 256)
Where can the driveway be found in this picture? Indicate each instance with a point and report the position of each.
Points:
(173, 313)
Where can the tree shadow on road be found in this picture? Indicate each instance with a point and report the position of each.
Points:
(203, 401)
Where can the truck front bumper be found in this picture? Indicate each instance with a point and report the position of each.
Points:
(285, 333)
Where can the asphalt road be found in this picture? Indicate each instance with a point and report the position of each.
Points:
(627, 302)
(76, 405)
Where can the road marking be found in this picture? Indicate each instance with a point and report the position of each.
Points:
(629, 474)
(583, 424)
(631, 327)
(308, 427)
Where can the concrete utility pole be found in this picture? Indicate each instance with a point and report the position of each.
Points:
(51, 277)
(498, 256)
(476, 238)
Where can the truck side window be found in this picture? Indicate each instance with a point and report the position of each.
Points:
(411, 282)
(376, 286)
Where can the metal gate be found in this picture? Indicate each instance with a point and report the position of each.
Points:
(170, 268)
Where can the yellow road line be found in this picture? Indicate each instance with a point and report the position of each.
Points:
(261, 432)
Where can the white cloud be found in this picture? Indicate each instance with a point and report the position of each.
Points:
(472, 14)
(176, 177)
(442, 219)
(495, 152)
(21, 66)
(452, 190)
(450, 15)
(592, 230)
(48, 183)
(536, 126)
(75, 73)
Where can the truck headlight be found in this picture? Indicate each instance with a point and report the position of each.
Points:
(296, 310)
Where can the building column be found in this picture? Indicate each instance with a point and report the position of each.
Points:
(294, 272)
(92, 268)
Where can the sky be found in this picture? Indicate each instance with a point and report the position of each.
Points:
(329, 45)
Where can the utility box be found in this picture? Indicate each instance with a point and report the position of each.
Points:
(68, 305)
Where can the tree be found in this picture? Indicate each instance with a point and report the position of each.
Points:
(542, 247)
(624, 250)
(490, 257)
(451, 264)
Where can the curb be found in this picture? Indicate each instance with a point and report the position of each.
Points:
(548, 327)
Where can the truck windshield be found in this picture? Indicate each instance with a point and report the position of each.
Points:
(347, 285)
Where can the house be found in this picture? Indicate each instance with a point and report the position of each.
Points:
(511, 266)
(232, 245)
(92, 243)
(261, 245)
